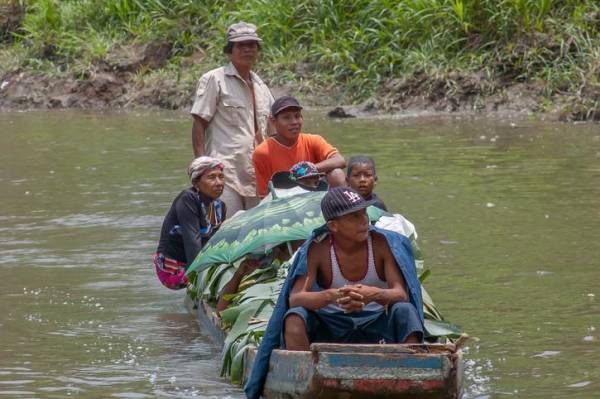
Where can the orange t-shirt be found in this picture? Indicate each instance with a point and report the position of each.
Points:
(271, 156)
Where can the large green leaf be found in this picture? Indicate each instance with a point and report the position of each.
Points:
(264, 315)
(237, 364)
(264, 290)
(223, 280)
(216, 279)
(230, 315)
(423, 276)
(437, 328)
(241, 323)
(239, 328)
(429, 307)
(231, 351)
(262, 227)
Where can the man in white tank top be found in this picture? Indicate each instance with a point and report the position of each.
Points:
(354, 290)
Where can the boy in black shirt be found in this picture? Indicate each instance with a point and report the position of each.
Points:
(362, 177)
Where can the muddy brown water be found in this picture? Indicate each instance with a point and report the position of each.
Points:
(507, 211)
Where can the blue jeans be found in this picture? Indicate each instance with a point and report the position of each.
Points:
(366, 327)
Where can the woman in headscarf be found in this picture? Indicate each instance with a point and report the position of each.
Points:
(195, 215)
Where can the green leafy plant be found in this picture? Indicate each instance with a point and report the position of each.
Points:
(352, 48)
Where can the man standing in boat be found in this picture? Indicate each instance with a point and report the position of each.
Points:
(350, 283)
(289, 145)
(230, 115)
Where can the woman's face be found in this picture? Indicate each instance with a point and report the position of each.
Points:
(211, 183)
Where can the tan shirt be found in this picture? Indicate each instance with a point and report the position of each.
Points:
(225, 101)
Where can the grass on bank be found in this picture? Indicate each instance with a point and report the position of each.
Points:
(352, 46)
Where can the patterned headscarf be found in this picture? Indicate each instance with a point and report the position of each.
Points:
(201, 165)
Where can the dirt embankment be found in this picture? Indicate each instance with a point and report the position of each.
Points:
(115, 83)
(120, 81)
(110, 84)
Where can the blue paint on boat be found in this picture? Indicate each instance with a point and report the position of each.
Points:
(404, 361)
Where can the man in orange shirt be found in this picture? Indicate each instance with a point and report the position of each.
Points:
(289, 146)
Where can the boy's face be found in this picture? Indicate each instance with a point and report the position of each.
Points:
(362, 179)
(288, 123)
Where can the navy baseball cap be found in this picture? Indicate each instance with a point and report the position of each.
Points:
(283, 103)
(340, 201)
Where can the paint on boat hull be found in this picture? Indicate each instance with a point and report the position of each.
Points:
(359, 371)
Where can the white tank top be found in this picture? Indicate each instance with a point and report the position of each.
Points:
(371, 278)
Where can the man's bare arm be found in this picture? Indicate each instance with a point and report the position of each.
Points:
(397, 288)
(245, 268)
(199, 126)
(310, 299)
(383, 296)
(302, 295)
(335, 161)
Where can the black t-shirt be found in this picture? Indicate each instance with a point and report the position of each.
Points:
(378, 202)
(187, 225)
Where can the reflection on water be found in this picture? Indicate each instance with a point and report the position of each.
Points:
(507, 211)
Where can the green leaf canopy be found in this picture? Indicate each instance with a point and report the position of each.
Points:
(265, 226)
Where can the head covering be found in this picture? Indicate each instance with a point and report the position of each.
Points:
(340, 201)
(201, 165)
(283, 103)
(304, 169)
(242, 32)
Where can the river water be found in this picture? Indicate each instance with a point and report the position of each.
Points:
(507, 211)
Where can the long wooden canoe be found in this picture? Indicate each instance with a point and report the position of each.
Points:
(351, 370)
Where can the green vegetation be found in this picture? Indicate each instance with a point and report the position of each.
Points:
(353, 48)
(246, 318)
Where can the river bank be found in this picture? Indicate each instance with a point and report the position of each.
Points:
(410, 58)
(458, 93)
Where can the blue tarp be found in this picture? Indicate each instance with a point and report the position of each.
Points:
(402, 251)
